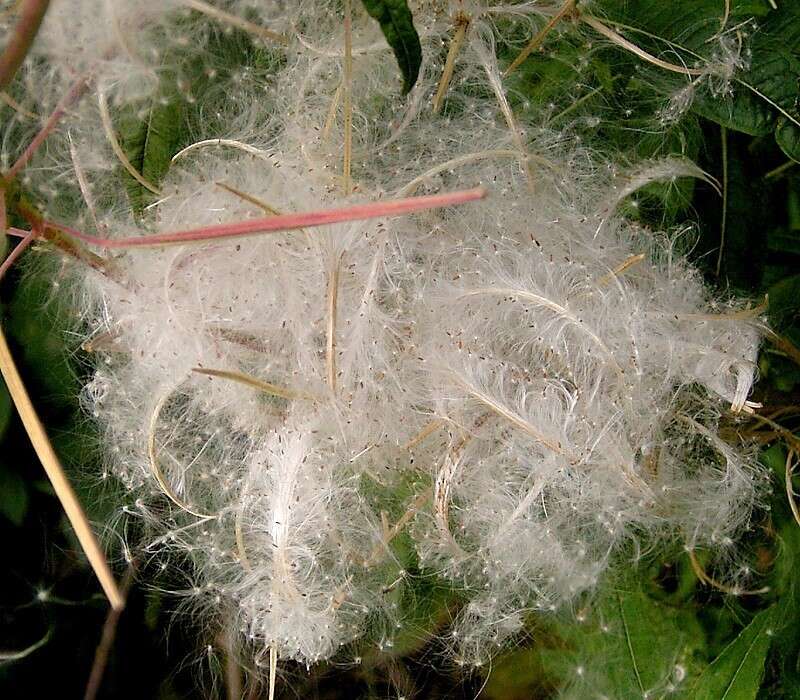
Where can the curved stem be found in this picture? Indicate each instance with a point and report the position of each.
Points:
(621, 41)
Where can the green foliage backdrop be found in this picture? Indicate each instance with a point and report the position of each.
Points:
(646, 629)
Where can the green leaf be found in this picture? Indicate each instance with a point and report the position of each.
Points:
(627, 646)
(788, 137)
(650, 639)
(774, 458)
(150, 137)
(766, 96)
(736, 673)
(13, 496)
(397, 24)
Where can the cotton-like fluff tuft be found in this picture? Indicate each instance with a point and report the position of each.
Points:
(547, 378)
(567, 386)
(556, 372)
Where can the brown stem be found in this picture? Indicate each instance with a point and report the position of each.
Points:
(462, 22)
(22, 37)
(75, 93)
(14, 254)
(566, 10)
(103, 650)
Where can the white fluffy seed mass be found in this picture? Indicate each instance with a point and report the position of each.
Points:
(548, 376)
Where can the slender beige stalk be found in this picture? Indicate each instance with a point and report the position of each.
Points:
(12, 656)
(19, 43)
(404, 519)
(389, 532)
(152, 452)
(443, 485)
(790, 494)
(17, 107)
(566, 9)
(514, 418)
(266, 208)
(108, 127)
(621, 41)
(83, 184)
(462, 21)
(441, 500)
(260, 203)
(455, 163)
(701, 574)
(255, 383)
(273, 670)
(331, 118)
(348, 96)
(229, 143)
(55, 472)
(429, 429)
(741, 315)
(630, 261)
(725, 15)
(508, 115)
(330, 349)
(235, 21)
(246, 340)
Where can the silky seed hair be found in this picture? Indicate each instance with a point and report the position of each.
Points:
(549, 376)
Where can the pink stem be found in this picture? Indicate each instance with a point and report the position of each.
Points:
(22, 37)
(18, 250)
(284, 222)
(75, 92)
